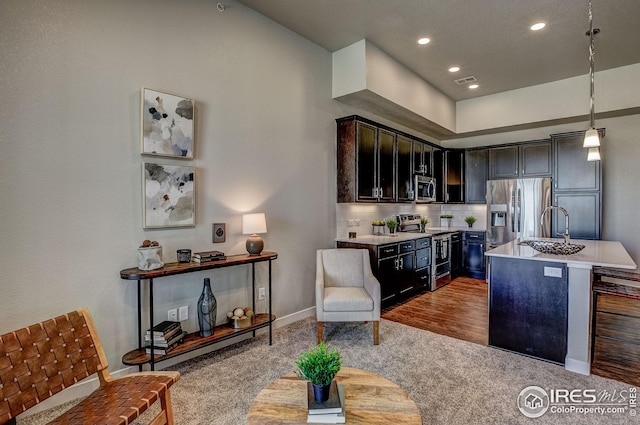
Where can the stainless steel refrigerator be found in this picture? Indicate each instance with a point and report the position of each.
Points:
(514, 208)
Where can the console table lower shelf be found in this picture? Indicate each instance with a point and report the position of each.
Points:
(193, 341)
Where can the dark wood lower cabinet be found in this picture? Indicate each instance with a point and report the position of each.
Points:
(399, 267)
(528, 310)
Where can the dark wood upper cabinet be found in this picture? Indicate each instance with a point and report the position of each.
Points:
(422, 159)
(476, 173)
(531, 159)
(577, 187)
(454, 172)
(572, 171)
(376, 163)
(405, 187)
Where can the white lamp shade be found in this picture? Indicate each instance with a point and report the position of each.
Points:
(591, 138)
(594, 154)
(252, 224)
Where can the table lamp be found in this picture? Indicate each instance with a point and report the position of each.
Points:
(252, 224)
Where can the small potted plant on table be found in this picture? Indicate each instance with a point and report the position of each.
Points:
(319, 365)
(470, 220)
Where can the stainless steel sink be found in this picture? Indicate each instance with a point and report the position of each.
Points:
(557, 248)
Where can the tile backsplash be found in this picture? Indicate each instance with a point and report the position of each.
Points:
(355, 217)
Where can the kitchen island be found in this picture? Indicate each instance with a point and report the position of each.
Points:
(574, 271)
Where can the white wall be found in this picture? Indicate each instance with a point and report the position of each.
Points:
(70, 201)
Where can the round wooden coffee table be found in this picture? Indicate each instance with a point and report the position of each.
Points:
(369, 399)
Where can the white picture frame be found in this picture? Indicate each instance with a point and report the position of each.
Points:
(168, 195)
(167, 124)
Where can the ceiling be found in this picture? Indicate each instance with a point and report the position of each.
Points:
(487, 39)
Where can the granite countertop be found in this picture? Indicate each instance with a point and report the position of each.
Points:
(404, 236)
(595, 253)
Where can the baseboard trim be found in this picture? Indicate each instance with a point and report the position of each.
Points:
(577, 366)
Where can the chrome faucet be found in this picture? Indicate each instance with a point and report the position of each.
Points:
(565, 235)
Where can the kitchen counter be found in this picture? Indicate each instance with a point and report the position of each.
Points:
(403, 236)
(579, 270)
(595, 253)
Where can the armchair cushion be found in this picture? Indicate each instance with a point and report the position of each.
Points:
(347, 299)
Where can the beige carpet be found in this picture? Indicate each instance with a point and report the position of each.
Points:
(451, 381)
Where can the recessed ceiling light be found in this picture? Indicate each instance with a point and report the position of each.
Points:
(473, 86)
(454, 69)
(423, 40)
(538, 26)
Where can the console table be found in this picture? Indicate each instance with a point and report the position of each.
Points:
(193, 341)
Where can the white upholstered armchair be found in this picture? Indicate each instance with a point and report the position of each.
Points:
(346, 289)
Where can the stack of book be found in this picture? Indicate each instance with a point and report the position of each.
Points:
(206, 256)
(329, 412)
(166, 336)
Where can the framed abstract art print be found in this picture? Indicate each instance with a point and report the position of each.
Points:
(169, 195)
(167, 124)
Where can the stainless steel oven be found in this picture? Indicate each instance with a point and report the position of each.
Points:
(441, 261)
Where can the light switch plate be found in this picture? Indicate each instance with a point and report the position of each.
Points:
(219, 232)
(553, 271)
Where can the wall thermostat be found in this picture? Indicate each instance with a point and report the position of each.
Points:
(219, 233)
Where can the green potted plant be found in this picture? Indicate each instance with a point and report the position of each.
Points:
(423, 224)
(319, 365)
(470, 220)
(392, 224)
(446, 218)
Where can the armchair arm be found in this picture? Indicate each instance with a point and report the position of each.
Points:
(372, 285)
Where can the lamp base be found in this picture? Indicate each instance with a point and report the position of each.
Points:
(254, 245)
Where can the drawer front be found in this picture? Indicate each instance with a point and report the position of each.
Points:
(423, 278)
(423, 258)
(455, 237)
(407, 246)
(423, 243)
(474, 236)
(386, 251)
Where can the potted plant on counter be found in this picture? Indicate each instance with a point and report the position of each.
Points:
(423, 224)
(319, 365)
(446, 220)
(470, 220)
(392, 224)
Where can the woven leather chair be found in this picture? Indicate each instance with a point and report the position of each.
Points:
(41, 360)
(346, 289)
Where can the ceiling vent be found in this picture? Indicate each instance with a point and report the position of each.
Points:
(466, 80)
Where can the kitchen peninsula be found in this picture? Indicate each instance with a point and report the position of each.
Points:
(538, 301)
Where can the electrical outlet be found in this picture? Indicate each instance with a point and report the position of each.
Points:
(172, 315)
(184, 313)
(261, 294)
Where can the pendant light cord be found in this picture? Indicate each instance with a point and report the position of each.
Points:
(591, 70)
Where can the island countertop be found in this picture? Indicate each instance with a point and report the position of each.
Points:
(595, 253)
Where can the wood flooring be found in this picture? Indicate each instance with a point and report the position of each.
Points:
(460, 310)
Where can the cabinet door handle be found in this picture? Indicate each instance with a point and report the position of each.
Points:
(401, 262)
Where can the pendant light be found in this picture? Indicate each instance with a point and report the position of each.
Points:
(591, 137)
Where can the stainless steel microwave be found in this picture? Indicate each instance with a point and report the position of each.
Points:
(425, 189)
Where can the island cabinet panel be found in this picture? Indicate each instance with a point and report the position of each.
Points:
(528, 307)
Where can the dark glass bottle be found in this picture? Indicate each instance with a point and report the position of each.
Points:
(207, 310)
